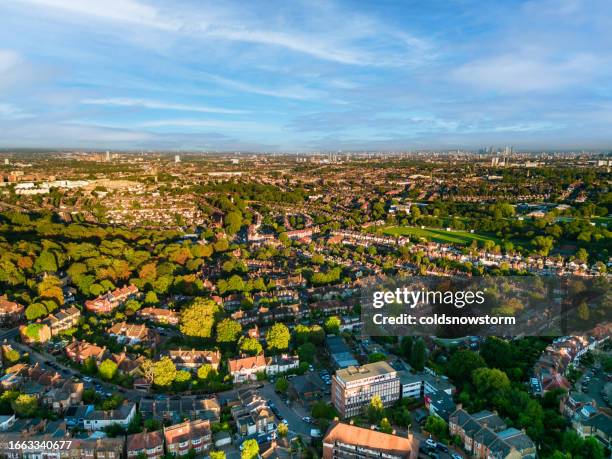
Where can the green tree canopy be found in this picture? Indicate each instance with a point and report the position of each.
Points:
(278, 337)
(197, 320)
(228, 331)
(107, 369)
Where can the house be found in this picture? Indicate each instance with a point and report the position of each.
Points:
(145, 444)
(133, 334)
(105, 304)
(190, 359)
(178, 409)
(246, 368)
(160, 316)
(485, 435)
(99, 419)
(346, 441)
(252, 414)
(80, 351)
(10, 311)
(97, 448)
(35, 333)
(281, 364)
(590, 422)
(188, 435)
(62, 320)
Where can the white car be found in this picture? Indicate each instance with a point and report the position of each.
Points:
(284, 421)
(307, 419)
(429, 442)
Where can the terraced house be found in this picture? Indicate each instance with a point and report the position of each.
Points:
(485, 435)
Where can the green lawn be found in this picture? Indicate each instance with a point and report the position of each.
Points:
(439, 235)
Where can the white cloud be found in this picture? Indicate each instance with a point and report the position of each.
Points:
(153, 104)
(520, 73)
(129, 11)
(288, 92)
(9, 111)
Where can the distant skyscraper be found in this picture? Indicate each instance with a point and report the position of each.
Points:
(177, 159)
(108, 158)
(6, 161)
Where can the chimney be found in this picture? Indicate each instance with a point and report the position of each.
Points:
(459, 406)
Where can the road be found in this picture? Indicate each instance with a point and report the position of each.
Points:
(293, 413)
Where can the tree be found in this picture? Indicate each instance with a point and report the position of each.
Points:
(151, 298)
(490, 383)
(45, 263)
(375, 409)
(228, 331)
(217, 454)
(250, 449)
(461, 365)
(198, 319)
(282, 430)
(250, 346)
(281, 385)
(233, 222)
(385, 426)
(436, 426)
(35, 311)
(332, 325)
(306, 352)
(25, 406)
(164, 372)
(376, 357)
(11, 356)
(107, 369)
(418, 355)
(278, 337)
(205, 371)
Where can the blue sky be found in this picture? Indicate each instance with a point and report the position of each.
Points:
(305, 75)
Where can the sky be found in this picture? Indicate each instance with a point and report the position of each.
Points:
(305, 75)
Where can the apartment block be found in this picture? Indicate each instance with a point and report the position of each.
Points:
(353, 387)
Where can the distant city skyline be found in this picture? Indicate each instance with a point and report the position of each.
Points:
(305, 75)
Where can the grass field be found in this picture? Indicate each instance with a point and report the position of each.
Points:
(439, 235)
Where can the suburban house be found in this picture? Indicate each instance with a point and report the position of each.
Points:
(105, 304)
(98, 448)
(62, 320)
(188, 435)
(281, 364)
(160, 316)
(147, 444)
(80, 351)
(99, 419)
(346, 441)
(485, 435)
(246, 368)
(10, 311)
(133, 334)
(177, 410)
(252, 414)
(590, 422)
(191, 359)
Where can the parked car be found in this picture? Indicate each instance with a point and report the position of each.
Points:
(431, 443)
(442, 447)
(307, 419)
(456, 456)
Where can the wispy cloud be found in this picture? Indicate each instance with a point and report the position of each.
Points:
(9, 111)
(128, 11)
(158, 105)
(296, 92)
